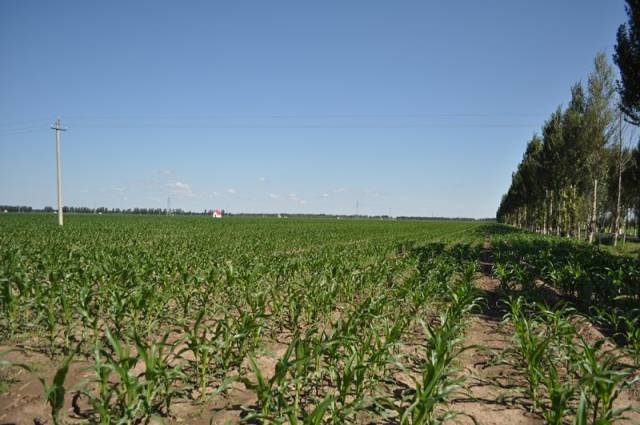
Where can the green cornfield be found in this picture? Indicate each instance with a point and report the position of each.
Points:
(139, 319)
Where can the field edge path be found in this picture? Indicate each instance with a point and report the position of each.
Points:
(488, 394)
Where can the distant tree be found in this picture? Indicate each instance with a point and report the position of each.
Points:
(531, 175)
(564, 179)
(574, 167)
(599, 116)
(631, 184)
(627, 57)
(552, 164)
(619, 193)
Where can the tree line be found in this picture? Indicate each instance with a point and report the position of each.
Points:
(104, 210)
(178, 211)
(577, 178)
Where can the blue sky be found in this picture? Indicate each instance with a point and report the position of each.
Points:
(414, 108)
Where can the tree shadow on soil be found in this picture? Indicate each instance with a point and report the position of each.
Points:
(497, 229)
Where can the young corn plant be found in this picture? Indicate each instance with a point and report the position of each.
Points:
(273, 402)
(315, 416)
(436, 382)
(49, 321)
(128, 391)
(560, 392)
(5, 365)
(67, 315)
(631, 335)
(349, 378)
(159, 374)
(131, 398)
(55, 391)
(247, 329)
(624, 325)
(202, 346)
(504, 273)
(101, 398)
(9, 304)
(88, 310)
(602, 378)
(531, 347)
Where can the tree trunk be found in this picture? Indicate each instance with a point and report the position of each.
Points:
(551, 214)
(559, 220)
(625, 224)
(616, 229)
(638, 220)
(593, 223)
(544, 213)
(571, 219)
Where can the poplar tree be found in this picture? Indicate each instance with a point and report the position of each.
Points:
(574, 151)
(552, 142)
(599, 116)
(627, 57)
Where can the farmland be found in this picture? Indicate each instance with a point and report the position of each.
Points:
(127, 320)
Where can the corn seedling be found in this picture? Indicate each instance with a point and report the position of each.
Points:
(54, 392)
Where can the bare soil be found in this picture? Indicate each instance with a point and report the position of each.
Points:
(490, 393)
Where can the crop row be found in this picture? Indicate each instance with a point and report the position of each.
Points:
(159, 311)
(559, 296)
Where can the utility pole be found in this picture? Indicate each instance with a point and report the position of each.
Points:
(58, 129)
(169, 205)
(357, 208)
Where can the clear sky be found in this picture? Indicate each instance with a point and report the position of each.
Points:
(409, 107)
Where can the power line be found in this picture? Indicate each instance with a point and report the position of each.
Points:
(306, 126)
(313, 121)
(22, 123)
(305, 116)
(275, 121)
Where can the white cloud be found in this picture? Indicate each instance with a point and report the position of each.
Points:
(232, 191)
(373, 193)
(295, 198)
(341, 190)
(325, 195)
(180, 189)
(262, 179)
(291, 196)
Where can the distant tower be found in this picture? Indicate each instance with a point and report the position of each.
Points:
(169, 205)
